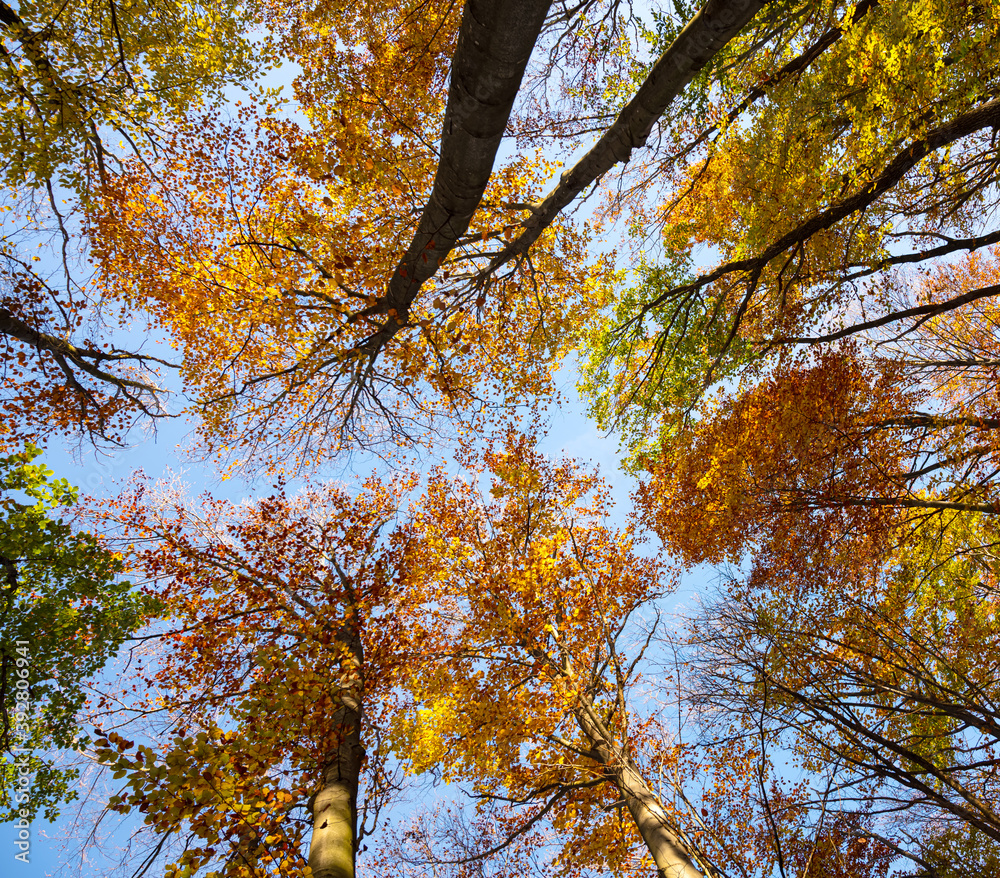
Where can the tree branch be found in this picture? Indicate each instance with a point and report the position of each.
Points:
(700, 41)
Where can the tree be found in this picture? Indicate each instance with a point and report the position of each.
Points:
(65, 611)
(888, 677)
(289, 630)
(330, 370)
(333, 278)
(290, 234)
(536, 703)
(75, 74)
(530, 700)
(826, 475)
(856, 494)
(327, 334)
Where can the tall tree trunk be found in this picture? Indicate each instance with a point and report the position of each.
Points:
(333, 848)
(670, 853)
(494, 44)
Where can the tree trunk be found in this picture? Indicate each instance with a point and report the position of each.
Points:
(670, 853)
(333, 848)
(494, 44)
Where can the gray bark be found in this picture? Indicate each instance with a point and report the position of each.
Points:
(494, 44)
(703, 37)
(333, 848)
(669, 852)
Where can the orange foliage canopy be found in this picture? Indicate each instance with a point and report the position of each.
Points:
(854, 493)
(531, 703)
(287, 633)
(264, 246)
(843, 452)
(486, 639)
(800, 455)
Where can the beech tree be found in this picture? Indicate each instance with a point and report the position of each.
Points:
(819, 180)
(536, 704)
(357, 271)
(531, 701)
(290, 235)
(454, 642)
(313, 653)
(817, 408)
(64, 612)
(287, 631)
(890, 679)
(861, 512)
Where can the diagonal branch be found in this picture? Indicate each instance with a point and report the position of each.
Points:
(494, 44)
(924, 312)
(985, 116)
(700, 41)
(85, 360)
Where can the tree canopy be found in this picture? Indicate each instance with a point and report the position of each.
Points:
(65, 612)
(760, 232)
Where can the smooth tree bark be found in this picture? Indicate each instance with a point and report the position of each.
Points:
(494, 45)
(673, 857)
(333, 848)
